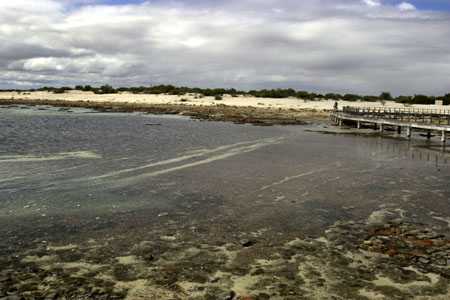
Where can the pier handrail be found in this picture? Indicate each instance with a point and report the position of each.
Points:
(394, 111)
(400, 119)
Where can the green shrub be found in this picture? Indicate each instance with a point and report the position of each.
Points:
(351, 97)
(423, 99)
(404, 99)
(386, 96)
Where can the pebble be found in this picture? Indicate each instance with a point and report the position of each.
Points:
(423, 260)
(231, 296)
(441, 262)
(247, 243)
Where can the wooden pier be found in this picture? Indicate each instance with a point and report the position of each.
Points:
(402, 120)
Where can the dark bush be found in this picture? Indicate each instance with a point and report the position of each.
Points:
(371, 98)
(105, 89)
(423, 99)
(61, 90)
(351, 97)
(446, 99)
(385, 96)
(404, 99)
(333, 96)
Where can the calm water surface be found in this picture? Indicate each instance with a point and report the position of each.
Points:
(55, 163)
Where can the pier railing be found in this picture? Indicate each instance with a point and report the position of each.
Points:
(410, 115)
(394, 110)
(399, 119)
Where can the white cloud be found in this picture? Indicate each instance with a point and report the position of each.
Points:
(405, 6)
(325, 45)
(372, 3)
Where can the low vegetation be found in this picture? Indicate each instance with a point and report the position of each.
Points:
(217, 93)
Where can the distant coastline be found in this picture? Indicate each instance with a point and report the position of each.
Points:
(235, 108)
(278, 93)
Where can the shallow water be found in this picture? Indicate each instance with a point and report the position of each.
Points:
(77, 176)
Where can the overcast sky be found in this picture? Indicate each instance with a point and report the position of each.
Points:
(361, 46)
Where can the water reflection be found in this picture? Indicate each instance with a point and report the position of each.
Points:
(408, 150)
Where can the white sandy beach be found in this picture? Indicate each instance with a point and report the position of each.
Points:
(241, 101)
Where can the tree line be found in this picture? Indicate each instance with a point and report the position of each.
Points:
(265, 93)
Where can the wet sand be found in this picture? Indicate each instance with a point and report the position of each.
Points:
(235, 114)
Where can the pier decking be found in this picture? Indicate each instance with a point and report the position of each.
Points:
(401, 119)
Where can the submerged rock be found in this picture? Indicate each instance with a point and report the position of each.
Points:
(247, 243)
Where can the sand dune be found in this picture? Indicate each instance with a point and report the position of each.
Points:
(241, 101)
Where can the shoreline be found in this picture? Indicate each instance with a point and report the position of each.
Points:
(219, 112)
(240, 109)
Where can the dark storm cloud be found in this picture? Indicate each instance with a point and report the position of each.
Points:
(18, 51)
